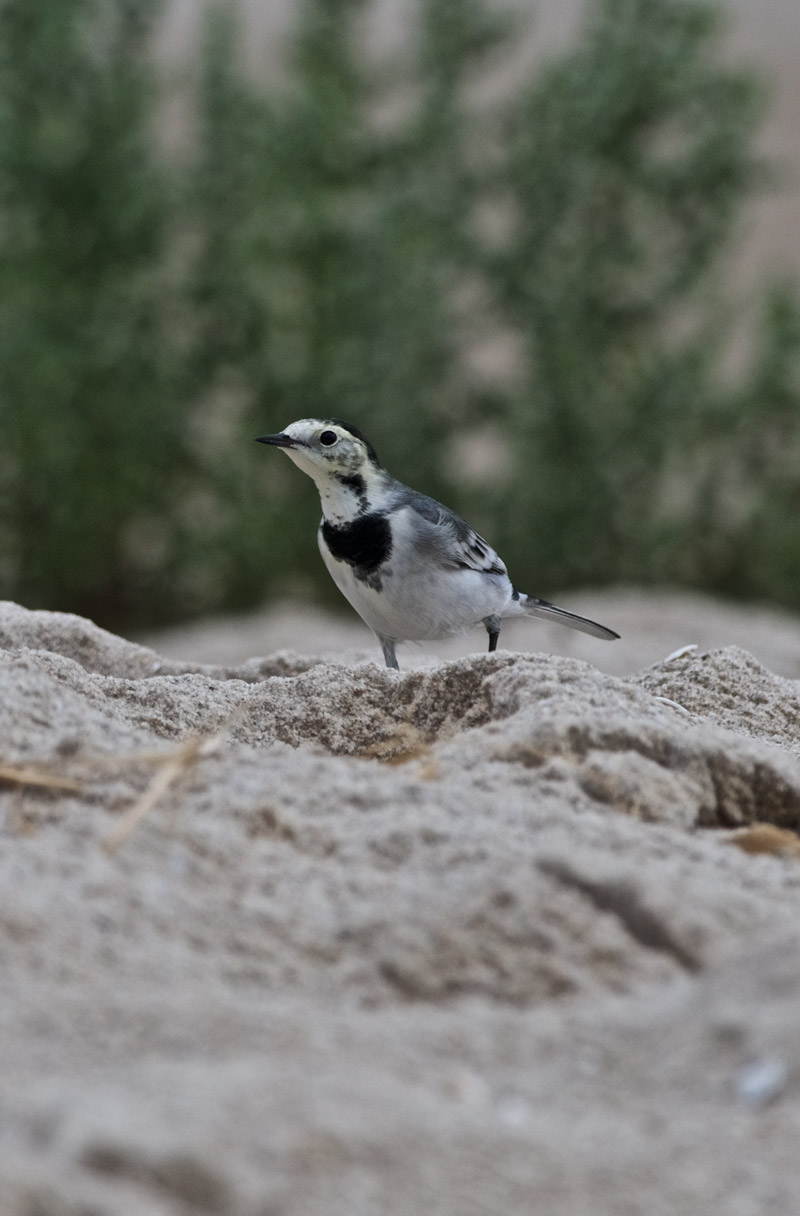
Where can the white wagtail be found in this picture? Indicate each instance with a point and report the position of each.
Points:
(412, 569)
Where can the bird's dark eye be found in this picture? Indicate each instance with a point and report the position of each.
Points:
(328, 438)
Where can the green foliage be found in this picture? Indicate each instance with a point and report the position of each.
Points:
(628, 164)
(330, 255)
(337, 240)
(90, 434)
(751, 527)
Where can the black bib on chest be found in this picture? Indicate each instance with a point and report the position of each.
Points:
(365, 543)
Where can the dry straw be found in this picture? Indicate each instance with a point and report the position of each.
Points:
(37, 777)
(172, 766)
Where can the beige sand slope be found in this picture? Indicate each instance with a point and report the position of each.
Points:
(471, 939)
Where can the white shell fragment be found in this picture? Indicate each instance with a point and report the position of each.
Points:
(681, 652)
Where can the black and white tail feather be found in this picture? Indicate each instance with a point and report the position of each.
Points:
(412, 569)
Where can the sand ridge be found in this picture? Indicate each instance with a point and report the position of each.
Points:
(471, 938)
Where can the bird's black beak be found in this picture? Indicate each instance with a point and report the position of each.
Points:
(278, 441)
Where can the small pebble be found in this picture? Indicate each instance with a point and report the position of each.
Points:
(514, 1110)
(763, 1081)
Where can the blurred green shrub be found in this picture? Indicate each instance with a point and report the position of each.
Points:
(629, 159)
(331, 251)
(90, 427)
(520, 299)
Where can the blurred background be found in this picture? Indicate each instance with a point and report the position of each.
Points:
(544, 255)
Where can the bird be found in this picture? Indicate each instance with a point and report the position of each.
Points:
(411, 568)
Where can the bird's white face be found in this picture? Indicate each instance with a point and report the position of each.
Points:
(323, 448)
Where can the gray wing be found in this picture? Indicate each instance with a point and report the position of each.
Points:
(456, 543)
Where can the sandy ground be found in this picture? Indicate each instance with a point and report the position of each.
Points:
(505, 934)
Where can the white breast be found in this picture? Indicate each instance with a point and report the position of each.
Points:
(414, 597)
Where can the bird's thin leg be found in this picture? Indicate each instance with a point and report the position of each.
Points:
(388, 647)
(492, 624)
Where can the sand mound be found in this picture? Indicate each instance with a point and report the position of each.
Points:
(294, 938)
